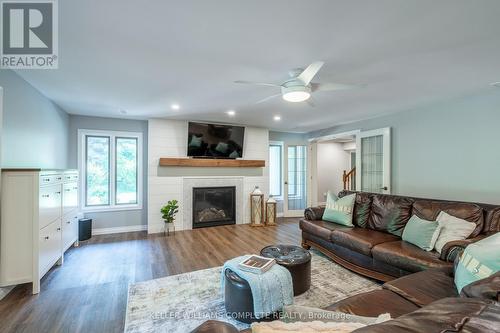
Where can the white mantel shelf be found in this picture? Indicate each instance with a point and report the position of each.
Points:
(207, 162)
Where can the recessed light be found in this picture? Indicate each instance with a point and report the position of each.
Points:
(231, 113)
(496, 84)
(175, 106)
(277, 118)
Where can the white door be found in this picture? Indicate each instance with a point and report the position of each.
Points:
(295, 196)
(373, 161)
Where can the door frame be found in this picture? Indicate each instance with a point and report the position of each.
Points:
(286, 211)
(312, 186)
(386, 165)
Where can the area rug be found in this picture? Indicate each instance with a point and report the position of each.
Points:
(180, 303)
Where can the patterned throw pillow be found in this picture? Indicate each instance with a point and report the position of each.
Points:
(479, 261)
(339, 210)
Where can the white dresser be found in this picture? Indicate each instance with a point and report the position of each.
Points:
(39, 222)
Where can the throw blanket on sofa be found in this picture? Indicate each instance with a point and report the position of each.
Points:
(270, 290)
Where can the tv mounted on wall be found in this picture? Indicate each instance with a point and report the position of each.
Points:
(215, 141)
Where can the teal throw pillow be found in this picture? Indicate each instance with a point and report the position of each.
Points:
(339, 210)
(479, 260)
(422, 233)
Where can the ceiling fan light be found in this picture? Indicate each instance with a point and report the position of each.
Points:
(296, 96)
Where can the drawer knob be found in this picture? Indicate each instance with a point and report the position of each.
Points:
(58, 192)
(58, 229)
(46, 179)
(45, 196)
(46, 237)
(67, 190)
(68, 222)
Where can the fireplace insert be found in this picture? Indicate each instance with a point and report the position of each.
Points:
(213, 206)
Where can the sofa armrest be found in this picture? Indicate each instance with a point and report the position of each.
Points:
(214, 326)
(488, 288)
(314, 213)
(453, 249)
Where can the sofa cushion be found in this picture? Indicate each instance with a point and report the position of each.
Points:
(390, 213)
(466, 315)
(407, 256)
(423, 287)
(362, 207)
(374, 303)
(321, 229)
(360, 240)
(429, 210)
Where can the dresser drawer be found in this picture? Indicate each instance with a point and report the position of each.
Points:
(70, 177)
(70, 197)
(50, 179)
(50, 204)
(49, 246)
(69, 230)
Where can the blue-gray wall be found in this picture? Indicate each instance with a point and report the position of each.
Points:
(115, 218)
(448, 150)
(35, 130)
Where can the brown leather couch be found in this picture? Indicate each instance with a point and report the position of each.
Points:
(374, 246)
(424, 302)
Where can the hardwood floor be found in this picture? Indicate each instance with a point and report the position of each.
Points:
(89, 292)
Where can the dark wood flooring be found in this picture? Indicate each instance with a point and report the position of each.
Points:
(89, 292)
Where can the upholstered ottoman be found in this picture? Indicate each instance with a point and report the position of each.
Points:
(296, 260)
(238, 298)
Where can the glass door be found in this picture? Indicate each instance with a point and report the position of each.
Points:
(295, 181)
(373, 161)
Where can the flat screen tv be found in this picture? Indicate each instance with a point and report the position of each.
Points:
(215, 141)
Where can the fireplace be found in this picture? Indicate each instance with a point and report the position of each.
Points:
(213, 206)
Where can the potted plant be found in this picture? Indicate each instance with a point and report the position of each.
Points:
(168, 214)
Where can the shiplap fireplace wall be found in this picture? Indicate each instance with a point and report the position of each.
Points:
(168, 138)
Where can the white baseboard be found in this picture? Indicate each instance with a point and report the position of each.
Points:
(279, 215)
(117, 230)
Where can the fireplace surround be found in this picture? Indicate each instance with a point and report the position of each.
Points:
(213, 206)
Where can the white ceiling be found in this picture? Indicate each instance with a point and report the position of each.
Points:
(142, 56)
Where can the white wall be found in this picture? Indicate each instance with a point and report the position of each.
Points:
(168, 138)
(332, 160)
(35, 130)
(435, 150)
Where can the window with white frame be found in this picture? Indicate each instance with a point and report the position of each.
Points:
(276, 169)
(111, 166)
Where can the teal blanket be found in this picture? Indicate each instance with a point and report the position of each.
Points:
(271, 290)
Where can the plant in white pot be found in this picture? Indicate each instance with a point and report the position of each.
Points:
(168, 214)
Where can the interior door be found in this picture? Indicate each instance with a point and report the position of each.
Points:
(373, 161)
(295, 196)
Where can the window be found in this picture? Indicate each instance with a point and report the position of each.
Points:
(111, 167)
(276, 169)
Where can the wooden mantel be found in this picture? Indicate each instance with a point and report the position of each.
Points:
(207, 162)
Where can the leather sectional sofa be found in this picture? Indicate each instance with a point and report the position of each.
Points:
(374, 246)
(422, 302)
(419, 290)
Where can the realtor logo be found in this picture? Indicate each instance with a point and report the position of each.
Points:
(29, 34)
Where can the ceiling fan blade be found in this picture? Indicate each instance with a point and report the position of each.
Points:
(257, 83)
(310, 72)
(332, 86)
(267, 98)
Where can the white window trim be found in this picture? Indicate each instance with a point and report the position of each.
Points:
(82, 133)
(282, 180)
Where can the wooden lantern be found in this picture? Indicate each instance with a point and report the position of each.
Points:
(271, 211)
(257, 208)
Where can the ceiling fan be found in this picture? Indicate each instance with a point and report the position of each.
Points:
(299, 87)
